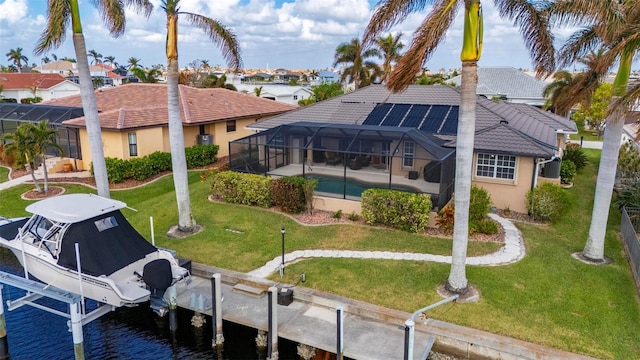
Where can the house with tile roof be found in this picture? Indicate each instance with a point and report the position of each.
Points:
(509, 84)
(134, 118)
(406, 139)
(18, 86)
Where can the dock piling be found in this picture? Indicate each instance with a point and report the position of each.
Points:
(272, 350)
(4, 345)
(76, 330)
(216, 311)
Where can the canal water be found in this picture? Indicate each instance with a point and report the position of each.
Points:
(127, 333)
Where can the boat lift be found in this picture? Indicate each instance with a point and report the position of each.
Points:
(37, 290)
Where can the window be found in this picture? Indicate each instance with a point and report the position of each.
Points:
(231, 126)
(295, 97)
(133, 144)
(496, 166)
(408, 154)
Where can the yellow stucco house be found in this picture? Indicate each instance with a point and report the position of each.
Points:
(134, 118)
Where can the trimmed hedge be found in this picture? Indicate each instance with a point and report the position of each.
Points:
(547, 201)
(119, 170)
(288, 194)
(241, 188)
(567, 171)
(397, 209)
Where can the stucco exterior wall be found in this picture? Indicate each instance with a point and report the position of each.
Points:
(147, 142)
(511, 193)
(222, 138)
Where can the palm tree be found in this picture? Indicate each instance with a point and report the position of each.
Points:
(258, 91)
(15, 56)
(46, 60)
(426, 38)
(556, 94)
(60, 13)
(228, 43)
(21, 146)
(96, 56)
(44, 138)
(111, 60)
(354, 55)
(133, 63)
(54, 57)
(146, 75)
(612, 25)
(390, 46)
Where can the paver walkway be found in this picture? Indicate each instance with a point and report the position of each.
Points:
(512, 251)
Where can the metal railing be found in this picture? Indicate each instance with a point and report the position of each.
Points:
(630, 228)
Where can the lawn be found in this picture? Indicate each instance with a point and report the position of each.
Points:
(548, 297)
(587, 135)
(4, 174)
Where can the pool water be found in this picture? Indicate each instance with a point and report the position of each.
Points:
(335, 185)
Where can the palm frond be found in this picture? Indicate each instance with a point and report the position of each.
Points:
(579, 12)
(430, 33)
(219, 35)
(113, 12)
(391, 12)
(577, 46)
(533, 21)
(59, 16)
(625, 102)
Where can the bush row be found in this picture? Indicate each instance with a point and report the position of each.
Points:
(119, 170)
(291, 194)
(396, 209)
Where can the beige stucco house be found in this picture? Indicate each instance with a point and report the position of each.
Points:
(407, 140)
(134, 118)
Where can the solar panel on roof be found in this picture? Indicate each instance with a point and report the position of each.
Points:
(415, 116)
(377, 114)
(450, 125)
(395, 116)
(431, 123)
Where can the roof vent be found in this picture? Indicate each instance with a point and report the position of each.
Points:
(503, 121)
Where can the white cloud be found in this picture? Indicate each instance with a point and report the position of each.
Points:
(13, 11)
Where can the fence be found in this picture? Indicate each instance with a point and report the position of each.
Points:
(630, 227)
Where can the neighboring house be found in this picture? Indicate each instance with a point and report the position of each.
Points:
(69, 70)
(134, 123)
(407, 139)
(260, 76)
(282, 93)
(508, 83)
(631, 130)
(325, 77)
(18, 86)
(283, 76)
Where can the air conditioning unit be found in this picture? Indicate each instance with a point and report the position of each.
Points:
(413, 175)
(205, 139)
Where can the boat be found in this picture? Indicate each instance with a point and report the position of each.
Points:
(82, 243)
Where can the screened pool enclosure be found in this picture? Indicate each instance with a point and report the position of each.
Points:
(346, 159)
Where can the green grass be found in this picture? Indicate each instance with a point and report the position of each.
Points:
(547, 298)
(4, 174)
(588, 135)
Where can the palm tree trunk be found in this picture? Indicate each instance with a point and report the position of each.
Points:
(33, 177)
(457, 281)
(45, 173)
(594, 248)
(176, 135)
(87, 94)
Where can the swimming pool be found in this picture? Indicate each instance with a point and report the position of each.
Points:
(355, 187)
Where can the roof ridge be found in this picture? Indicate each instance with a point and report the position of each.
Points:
(121, 115)
(185, 104)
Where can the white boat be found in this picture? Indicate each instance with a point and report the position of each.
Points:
(118, 266)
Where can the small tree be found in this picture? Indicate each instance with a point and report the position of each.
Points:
(44, 138)
(595, 112)
(21, 147)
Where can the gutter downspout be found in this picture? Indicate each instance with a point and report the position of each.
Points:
(537, 167)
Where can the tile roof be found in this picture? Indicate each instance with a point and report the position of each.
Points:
(506, 80)
(144, 105)
(532, 130)
(14, 81)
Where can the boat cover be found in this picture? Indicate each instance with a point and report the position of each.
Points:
(107, 244)
(9, 231)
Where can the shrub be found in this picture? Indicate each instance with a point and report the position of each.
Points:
(337, 214)
(547, 202)
(118, 170)
(479, 204)
(201, 155)
(240, 188)
(353, 216)
(445, 218)
(160, 161)
(575, 153)
(288, 193)
(397, 209)
(141, 168)
(486, 226)
(629, 196)
(567, 171)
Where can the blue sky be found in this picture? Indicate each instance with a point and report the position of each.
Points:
(295, 34)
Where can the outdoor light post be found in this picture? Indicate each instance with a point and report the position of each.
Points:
(282, 265)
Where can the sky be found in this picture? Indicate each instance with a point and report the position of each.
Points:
(291, 34)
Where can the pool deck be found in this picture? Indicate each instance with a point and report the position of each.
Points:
(368, 174)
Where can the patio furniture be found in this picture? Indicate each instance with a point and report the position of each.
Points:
(355, 163)
(332, 158)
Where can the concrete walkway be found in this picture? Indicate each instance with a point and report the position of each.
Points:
(512, 251)
(40, 177)
(588, 144)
